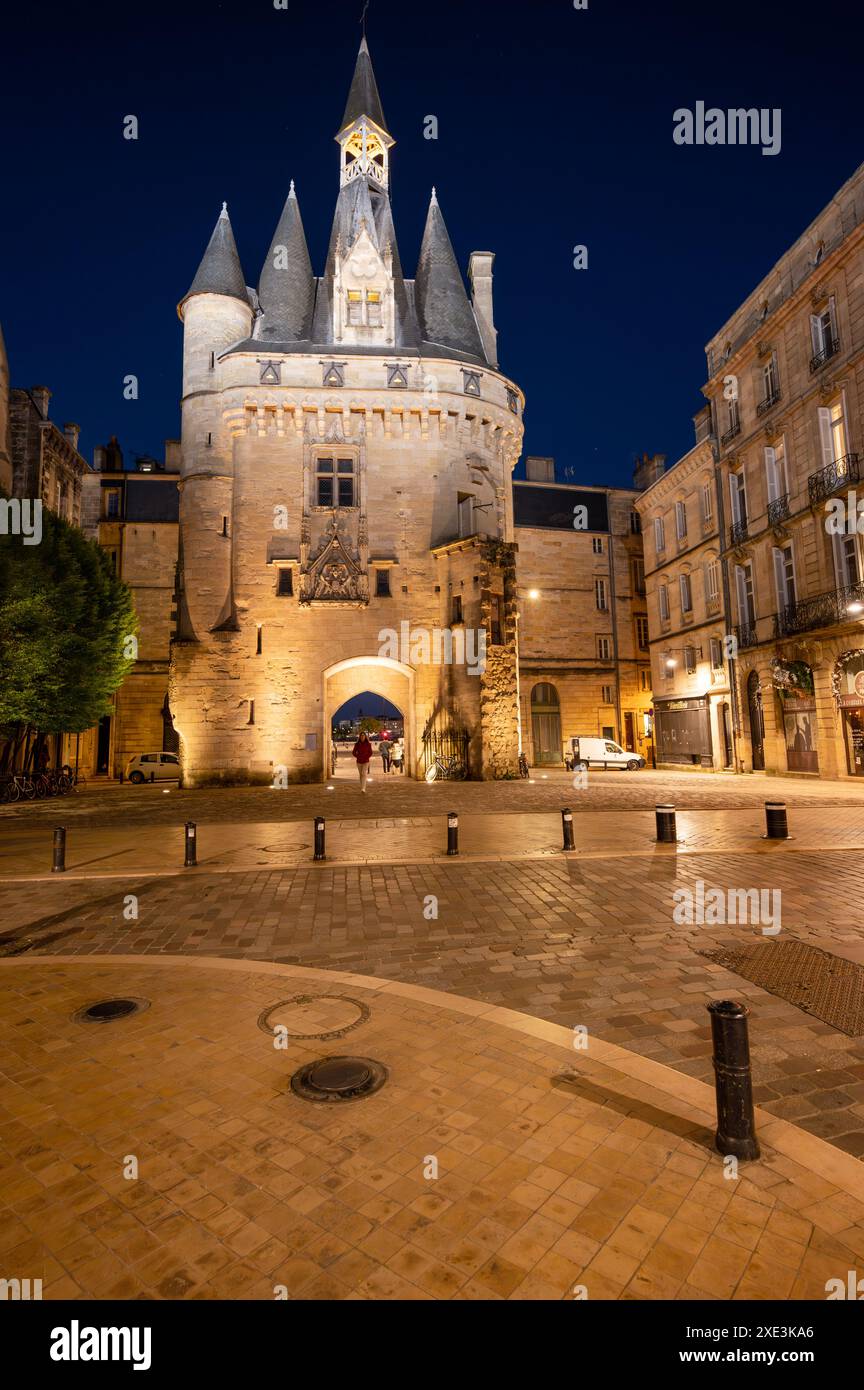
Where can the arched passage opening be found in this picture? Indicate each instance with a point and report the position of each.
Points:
(379, 681)
(379, 718)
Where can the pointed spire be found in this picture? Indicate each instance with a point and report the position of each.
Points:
(220, 271)
(443, 307)
(287, 287)
(363, 98)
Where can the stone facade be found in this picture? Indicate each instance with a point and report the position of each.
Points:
(5, 454)
(46, 463)
(347, 446)
(583, 633)
(693, 716)
(134, 515)
(786, 388)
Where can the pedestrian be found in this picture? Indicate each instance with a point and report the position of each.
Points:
(397, 755)
(362, 751)
(385, 751)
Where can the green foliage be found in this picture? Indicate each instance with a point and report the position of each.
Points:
(64, 619)
(368, 725)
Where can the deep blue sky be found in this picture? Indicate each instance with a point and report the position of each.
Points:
(555, 128)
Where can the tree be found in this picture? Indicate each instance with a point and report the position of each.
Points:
(65, 624)
(368, 725)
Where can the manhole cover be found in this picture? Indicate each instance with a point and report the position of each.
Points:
(324, 1017)
(338, 1078)
(828, 987)
(106, 1010)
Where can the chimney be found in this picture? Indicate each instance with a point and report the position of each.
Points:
(480, 272)
(72, 433)
(40, 395)
(539, 470)
(647, 470)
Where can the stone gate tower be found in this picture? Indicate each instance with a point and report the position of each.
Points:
(346, 518)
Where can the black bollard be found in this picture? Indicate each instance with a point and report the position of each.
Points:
(776, 825)
(319, 838)
(667, 833)
(191, 859)
(736, 1123)
(567, 824)
(452, 833)
(59, 864)
(152, 777)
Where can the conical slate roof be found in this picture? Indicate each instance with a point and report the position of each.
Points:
(363, 98)
(286, 290)
(442, 304)
(220, 271)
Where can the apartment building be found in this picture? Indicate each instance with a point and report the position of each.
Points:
(786, 388)
(584, 663)
(690, 669)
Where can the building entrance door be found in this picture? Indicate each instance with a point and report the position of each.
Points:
(726, 728)
(757, 723)
(629, 732)
(103, 747)
(855, 740)
(546, 724)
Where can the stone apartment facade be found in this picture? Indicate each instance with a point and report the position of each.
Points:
(5, 452)
(133, 513)
(690, 668)
(583, 628)
(347, 445)
(786, 389)
(46, 463)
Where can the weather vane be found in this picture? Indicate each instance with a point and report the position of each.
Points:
(363, 17)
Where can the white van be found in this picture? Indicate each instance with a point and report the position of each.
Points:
(599, 752)
(153, 767)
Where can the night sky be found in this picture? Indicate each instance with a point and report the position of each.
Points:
(555, 129)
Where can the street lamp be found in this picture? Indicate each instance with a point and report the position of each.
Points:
(534, 594)
(855, 609)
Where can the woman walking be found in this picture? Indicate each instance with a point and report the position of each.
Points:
(362, 751)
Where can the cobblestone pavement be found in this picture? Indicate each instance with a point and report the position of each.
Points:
(580, 941)
(496, 1163)
(106, 806)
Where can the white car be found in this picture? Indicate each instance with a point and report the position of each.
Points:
(599, 752)
(153, 767)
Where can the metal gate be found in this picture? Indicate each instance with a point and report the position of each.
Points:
(445, 740)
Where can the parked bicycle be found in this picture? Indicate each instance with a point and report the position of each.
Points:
(450, 768)
(523, 765)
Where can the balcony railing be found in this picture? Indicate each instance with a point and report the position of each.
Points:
(745, 636)
(766, 405)
(738, 532)
(828, 351)
(731, 432)
(778, 510)
(825, 610)
(837, 475)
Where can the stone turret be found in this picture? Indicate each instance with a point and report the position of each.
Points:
(216, 313)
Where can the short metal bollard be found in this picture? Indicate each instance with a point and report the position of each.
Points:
(59, 864)
(736, 1123)
(191, 859)
(567, 825)
(667, 833)
(776, 824)
(452, 833)
(152, 777)
(319, 838)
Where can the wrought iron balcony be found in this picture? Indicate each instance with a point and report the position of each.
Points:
(778, 510)
(829, 350)
(738, 532)
(836, 476)
(766, 405)
(824, 610)
(745, 636)
(731, 432)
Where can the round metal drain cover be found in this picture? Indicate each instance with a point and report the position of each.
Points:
(338, 1078)
(106, 1010)
(324, 1017)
